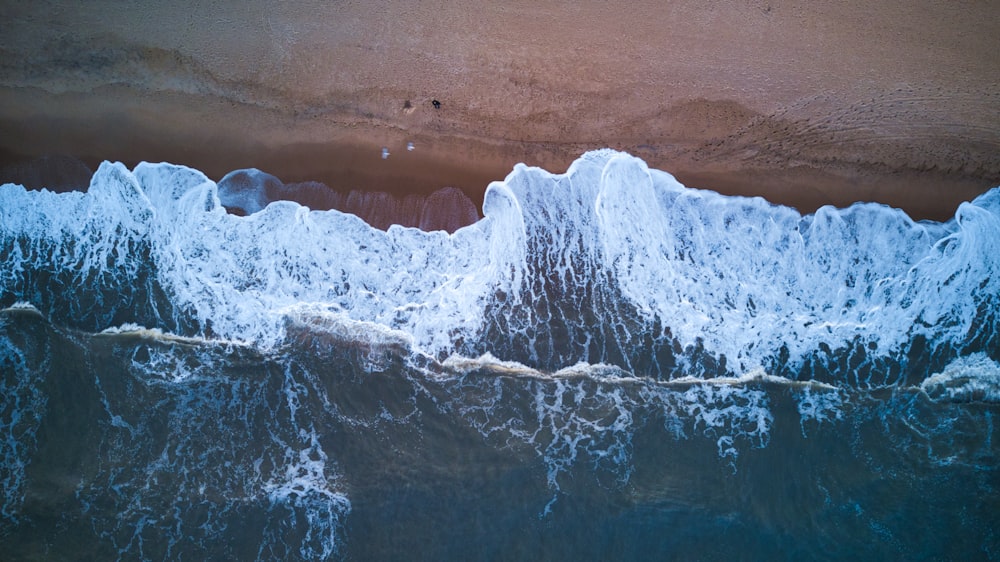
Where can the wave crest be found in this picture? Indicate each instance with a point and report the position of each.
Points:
(611, 262)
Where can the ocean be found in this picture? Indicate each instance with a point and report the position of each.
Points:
(608, 365)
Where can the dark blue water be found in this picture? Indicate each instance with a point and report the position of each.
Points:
(607, 366)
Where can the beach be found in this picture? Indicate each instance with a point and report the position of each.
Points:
(832, 103)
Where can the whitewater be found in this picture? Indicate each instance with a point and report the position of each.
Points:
(598, 339)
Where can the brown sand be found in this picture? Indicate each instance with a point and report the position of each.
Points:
(827, 102)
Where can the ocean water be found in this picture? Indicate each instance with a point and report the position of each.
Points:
(608, 365)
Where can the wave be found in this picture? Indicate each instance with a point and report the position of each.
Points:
(974, 378)
(610, 263)
(250, 190)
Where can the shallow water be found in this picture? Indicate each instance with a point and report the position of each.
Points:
(608, 365)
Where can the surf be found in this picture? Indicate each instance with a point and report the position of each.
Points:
(610, 262)
(605, 348)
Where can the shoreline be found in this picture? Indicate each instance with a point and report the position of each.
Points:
(930, 195)
(356, 164)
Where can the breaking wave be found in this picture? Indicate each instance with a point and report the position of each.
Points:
(610, 262)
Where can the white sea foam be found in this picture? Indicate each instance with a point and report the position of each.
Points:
(303, 488)
(975, 378)
(819, 406)
(592, 265)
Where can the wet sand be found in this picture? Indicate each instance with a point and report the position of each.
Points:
(831, 103)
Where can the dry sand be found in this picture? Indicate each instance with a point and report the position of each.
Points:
(803, 103)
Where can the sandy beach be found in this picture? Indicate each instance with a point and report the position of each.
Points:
(829, 103)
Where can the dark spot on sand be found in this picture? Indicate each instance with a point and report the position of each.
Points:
(436, 104)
